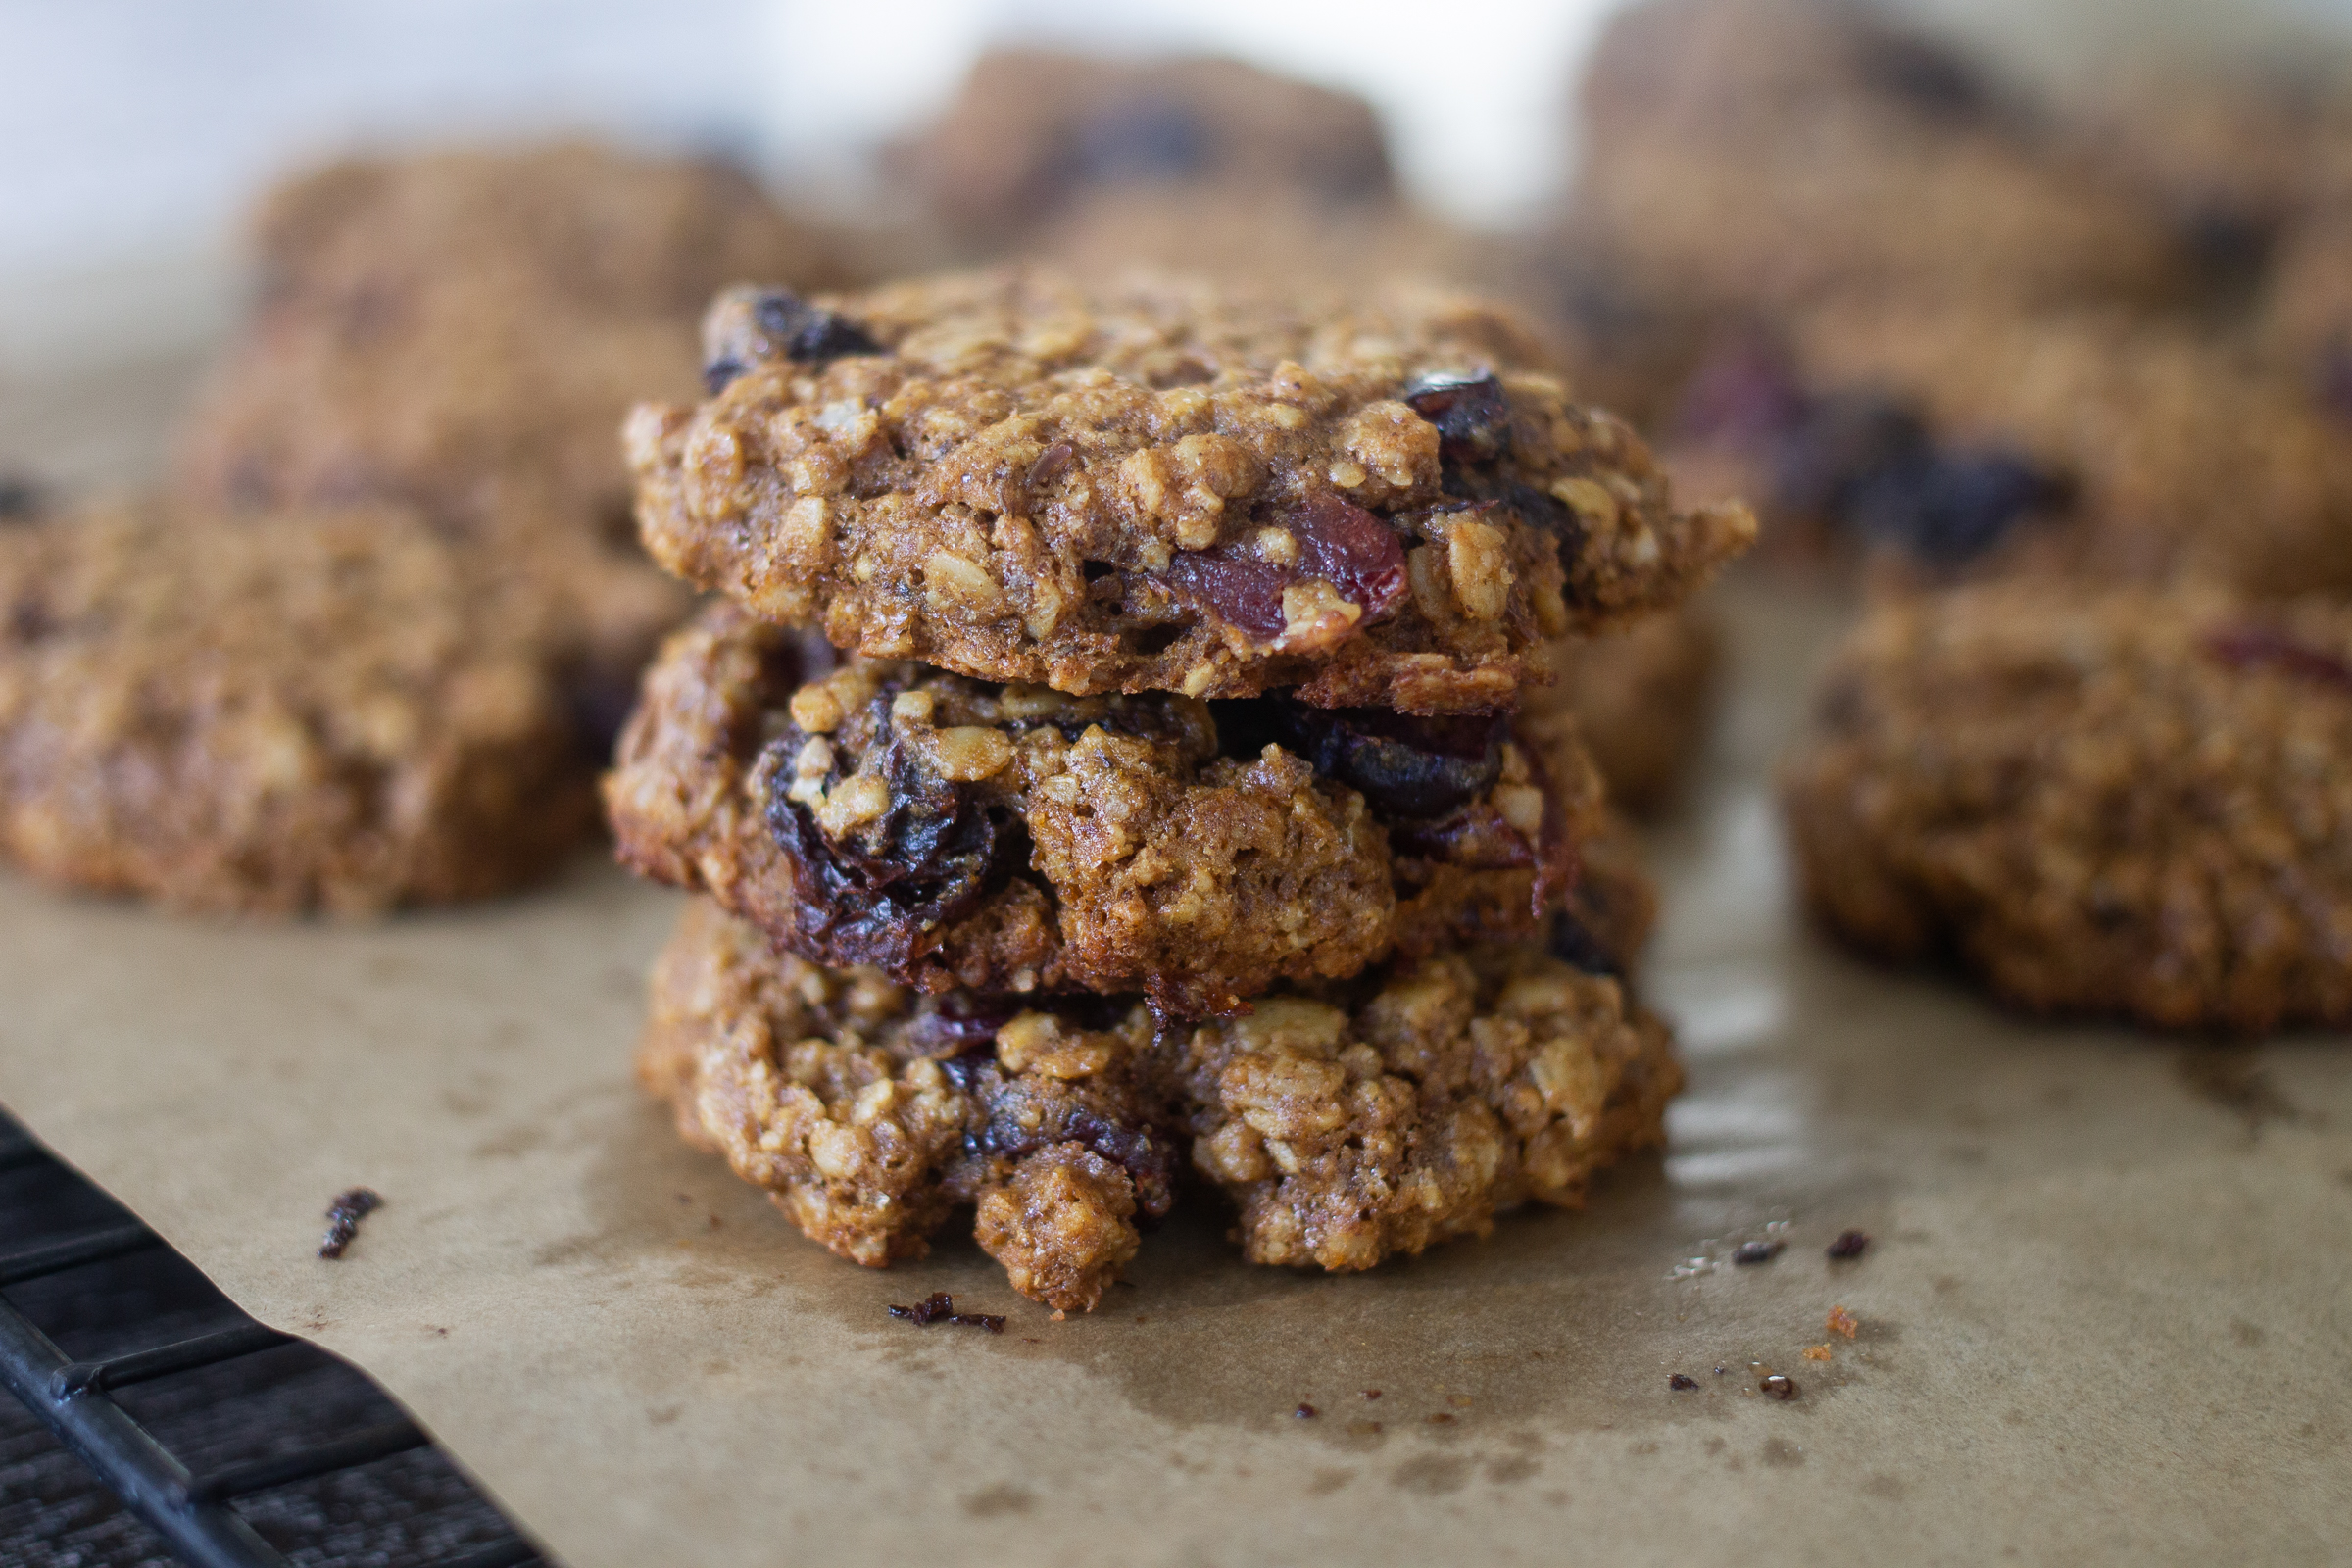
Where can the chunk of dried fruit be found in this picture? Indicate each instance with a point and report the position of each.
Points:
(2256, 646)
(1848, 1245)
(1472, 415)
(1747, 1252)
(748, 326)
(1336, 542)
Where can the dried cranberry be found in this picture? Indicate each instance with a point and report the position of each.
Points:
(1747, 1252)
(1020, 1124)
(2253, 646)
(873, 894)
(1780, 1385)
(1680, 1383)
(1340, 542)
(1744, 391)
(1405, 767)
(343, 1217)
(1472, 415)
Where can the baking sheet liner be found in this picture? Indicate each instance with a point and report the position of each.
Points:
(2106, 1315)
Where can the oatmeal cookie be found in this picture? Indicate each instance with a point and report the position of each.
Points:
(871, 1113)
(438, 328)
(1163, 486)
(1034, 129)
(1414, 1108)
(2135, 803)
(1772, 152)
(1011, 839)
(338, 711)
(1642, 701)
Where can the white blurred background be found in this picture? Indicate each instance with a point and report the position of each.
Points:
(132, 130)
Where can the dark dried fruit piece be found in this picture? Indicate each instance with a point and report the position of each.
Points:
(1573, 943)
(19, 498)
(1838, 443)
(1339, 543)
(874, 894)
(1406, 766)
(2246, 647)
(1849, 1243)
(1472, 415)
(747, 326)
(1019, 1125)
(1756, 1252)
(940, 1307)
(343, 1217)
(1947, 507)
(1780, 1385)
(1681, 1384)
(1745, 392)
(1305, 1412)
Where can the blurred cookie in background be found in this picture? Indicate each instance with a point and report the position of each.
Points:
(2135, 803)
(1771, 152)
(2096, 443)
(1643, 699)
(1033, 130)
(329, 710)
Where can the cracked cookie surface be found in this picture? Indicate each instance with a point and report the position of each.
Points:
(872, 1113)
(1163, 486)
(1384, 1119)
(333, 711)
(1013, 839)
(2134, 804)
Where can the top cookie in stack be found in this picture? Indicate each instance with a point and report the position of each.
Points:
(1189, 624)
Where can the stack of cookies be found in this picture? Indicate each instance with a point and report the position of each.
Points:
(1117, 750)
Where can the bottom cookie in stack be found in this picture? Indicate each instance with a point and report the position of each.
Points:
(1347, 1121)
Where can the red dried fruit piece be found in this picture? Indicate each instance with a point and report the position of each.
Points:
(1336, 543)
(2245, 646)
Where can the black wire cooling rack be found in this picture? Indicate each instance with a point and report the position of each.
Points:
(237, 1446)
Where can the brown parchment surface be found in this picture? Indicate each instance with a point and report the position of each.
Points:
(2106, 1318)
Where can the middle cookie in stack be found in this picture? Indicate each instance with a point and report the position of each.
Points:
(1221, 605)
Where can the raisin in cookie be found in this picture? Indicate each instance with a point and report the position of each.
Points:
(955, 832)
(274, 714)
(871, 1113)
(1772, 152)
(1416, 1104)
(1033, 129)
(1163, 486)
(2137, 804)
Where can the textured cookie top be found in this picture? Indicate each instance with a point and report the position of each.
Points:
(280, 711)
(1033, 128)
(1016, 839)
(1163, 486)
(2132, 803)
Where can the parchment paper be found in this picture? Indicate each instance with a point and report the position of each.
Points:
(2106, 1316)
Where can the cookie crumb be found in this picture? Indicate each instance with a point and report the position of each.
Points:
(1840, 1321)
(343, 1217)
(1443, 1418)
(1747, 1252)
(1817, 1353)
(1781, 1386)
(1848, 1245)
(1681, 1384)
